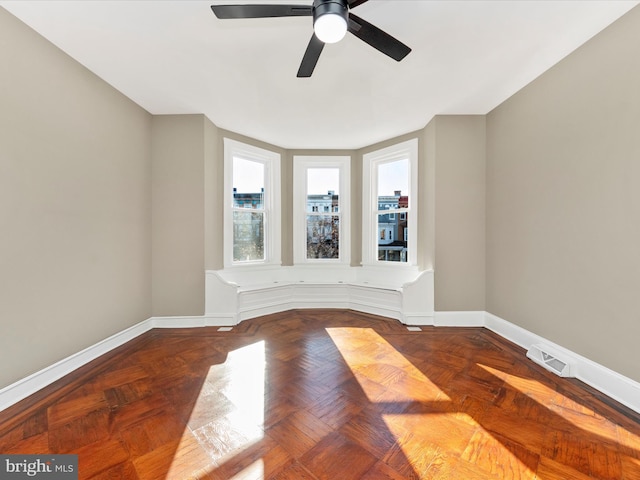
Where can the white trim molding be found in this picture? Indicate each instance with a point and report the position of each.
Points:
(371, 163)
(270, 162)
(459, 319)
(603, 379)
(196, 321)
(302, 166)
(29, 385)
(404, 294)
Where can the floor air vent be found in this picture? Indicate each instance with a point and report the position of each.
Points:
(542, 355)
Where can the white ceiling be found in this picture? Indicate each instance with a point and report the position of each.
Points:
(177, 57)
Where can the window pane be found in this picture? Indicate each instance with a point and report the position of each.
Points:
(248, 236)
(392, 239)
(323, 189)
(323, 240)
(393, 180)
(248, 184)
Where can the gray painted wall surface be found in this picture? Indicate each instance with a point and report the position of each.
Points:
(178, 217)
(75, 206)
(458, 143)
(563, 201)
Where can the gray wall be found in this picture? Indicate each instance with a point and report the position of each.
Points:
(213, 198)
(563, 201)
(456, 153)
(427, 196)
(178, 215)
(75, 210)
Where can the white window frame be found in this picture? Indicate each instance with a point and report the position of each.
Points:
(370, 208)
(301, 164)
(272, 192)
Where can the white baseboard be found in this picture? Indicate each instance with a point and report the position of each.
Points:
(208, 320)
(24, 387)
(418, 319)
(21, 389)
(178, 322)
(603, 379)
(607, 381)
(459, 319)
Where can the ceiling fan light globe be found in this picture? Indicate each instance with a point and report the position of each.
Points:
(330, 28)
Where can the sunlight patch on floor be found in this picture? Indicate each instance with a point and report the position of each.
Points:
(246, 388)
(568, 409)
(384, 374)
(255, 471)
(235, 391)
(457, 436)
(532, 388)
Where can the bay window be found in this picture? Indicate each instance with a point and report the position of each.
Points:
(252, 205)
(321, 209)
(390, 205)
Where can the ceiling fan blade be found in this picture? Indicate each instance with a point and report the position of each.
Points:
(378, 39)
(261, 11)
(311, 56)
(355, 3)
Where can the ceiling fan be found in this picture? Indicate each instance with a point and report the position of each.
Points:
(331, 21)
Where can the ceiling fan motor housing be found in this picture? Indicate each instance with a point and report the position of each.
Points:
(334, 7)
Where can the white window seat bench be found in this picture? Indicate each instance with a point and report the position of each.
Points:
(400, 292)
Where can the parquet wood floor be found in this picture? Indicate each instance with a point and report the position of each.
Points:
(326, 394)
